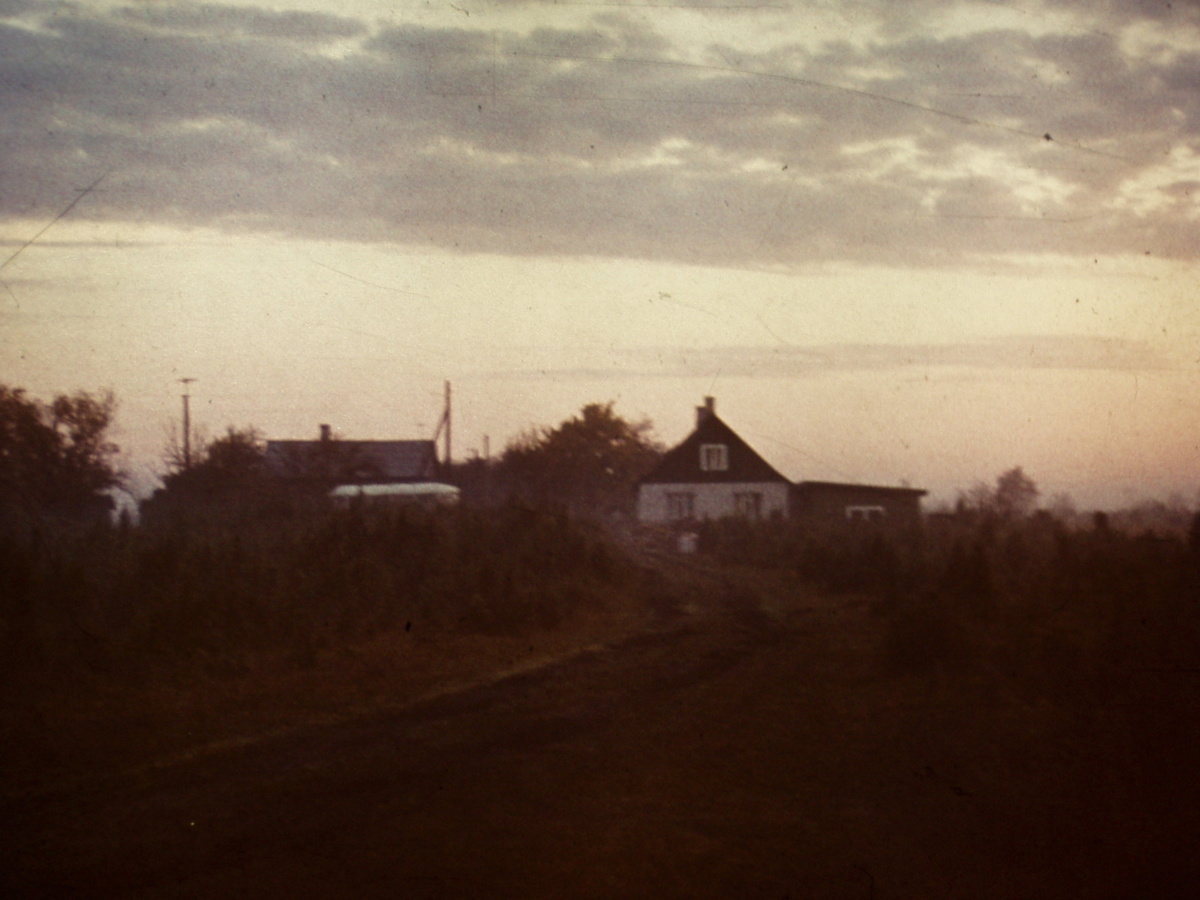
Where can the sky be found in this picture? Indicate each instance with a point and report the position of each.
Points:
(900, 243)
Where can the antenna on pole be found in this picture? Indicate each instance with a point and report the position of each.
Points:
(187, 424)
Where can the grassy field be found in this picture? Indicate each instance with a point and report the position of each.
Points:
(1015, 700)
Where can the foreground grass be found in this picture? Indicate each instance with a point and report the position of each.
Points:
(56, 733)
(122, 647)
(772, 745)
(127, 649)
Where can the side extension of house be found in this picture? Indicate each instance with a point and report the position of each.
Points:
(831, 503)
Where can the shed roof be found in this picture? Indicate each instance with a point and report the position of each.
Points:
(410, 489)
(834, 486)
(366, 461)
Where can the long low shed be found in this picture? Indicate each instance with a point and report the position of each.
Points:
(832, 502)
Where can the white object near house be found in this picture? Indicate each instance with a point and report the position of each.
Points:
(712, 474)
(420, 492)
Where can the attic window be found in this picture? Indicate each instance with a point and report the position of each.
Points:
(865, 513)
(714, 458)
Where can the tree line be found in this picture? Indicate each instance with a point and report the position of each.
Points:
(57, 460)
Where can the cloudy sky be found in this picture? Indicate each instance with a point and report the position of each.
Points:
(920, 241)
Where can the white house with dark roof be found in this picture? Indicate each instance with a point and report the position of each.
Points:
(711, 475)
(714, 474)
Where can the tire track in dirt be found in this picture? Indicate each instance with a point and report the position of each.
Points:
(124, 828)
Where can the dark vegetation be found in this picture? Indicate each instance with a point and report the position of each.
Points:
(1042, 600)
(1081, 638)
(230, 567)
(587, 465)
(223, 482)
(56, 461)
(130, 602)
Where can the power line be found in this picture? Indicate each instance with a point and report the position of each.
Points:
(70, 206)
(811, 456)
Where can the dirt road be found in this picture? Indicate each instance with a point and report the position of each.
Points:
(736, 755)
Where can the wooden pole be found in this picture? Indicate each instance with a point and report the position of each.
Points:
(446, 417)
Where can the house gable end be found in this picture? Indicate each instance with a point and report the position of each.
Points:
(713, 453)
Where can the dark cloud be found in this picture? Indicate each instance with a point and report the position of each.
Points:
(908, 149)
(231, 22)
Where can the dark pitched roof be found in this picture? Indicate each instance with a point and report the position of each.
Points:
(681, 465)
(352, 461)
(804, 486)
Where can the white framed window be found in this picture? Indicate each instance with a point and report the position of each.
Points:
(714, 458)
(748, 504)
(681, 506)
(866, 513)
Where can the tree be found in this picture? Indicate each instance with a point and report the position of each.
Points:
(226, 480)
(980, 498)
(1013, 496)
(233, 459)
(589, 463)
(56, 455)
(1016, 494)
(1062, 507)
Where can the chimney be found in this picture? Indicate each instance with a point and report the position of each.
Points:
(326, 434)
(703, 412)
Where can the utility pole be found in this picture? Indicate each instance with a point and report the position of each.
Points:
(444, 423)
(446, 413)
(187, 425)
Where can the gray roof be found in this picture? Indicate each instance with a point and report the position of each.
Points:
(839, 486)
(353, 461)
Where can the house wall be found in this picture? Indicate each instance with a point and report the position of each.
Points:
(710, 501)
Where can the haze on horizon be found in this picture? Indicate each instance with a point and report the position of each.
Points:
(921, 242)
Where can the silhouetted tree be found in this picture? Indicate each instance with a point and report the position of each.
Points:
(234, 458)
(1013, 497)
(1016, 494)
(56, 456)
(980, 498)
(227, 479)
(589, 463)
(1062, 507)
